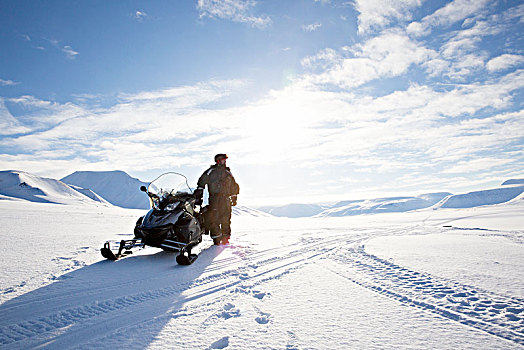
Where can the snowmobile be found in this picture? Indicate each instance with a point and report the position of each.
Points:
(174, 223)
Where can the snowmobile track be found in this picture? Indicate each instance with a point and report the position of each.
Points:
(499, 315)
(256, 268)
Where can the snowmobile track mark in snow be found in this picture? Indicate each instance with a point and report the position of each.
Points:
(35, 330)
(495, 314)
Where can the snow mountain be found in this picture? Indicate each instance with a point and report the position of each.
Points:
(15, 184)
(294, 210)
(246, 211)
(384, 205)
(510, 190)
(116, 187)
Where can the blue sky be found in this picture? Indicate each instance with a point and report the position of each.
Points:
(312, 100)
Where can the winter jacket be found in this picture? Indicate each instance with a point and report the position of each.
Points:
(219, 181)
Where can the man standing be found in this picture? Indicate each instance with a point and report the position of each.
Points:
(223, 191)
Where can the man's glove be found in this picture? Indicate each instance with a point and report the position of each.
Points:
(233, 200)
(199, 194)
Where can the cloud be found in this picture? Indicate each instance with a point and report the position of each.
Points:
(233, 10)
(140, 15)
(452, 12)
(8, 82)
(332, 127)
(378, 14)
(323, 59)
(463, 53)
(387, 55)
(392, 111)
(504, 62)
(70, 53)
(66, 49)
(9, 125)
(474, 165)
(311, 27)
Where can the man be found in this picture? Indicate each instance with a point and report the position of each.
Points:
(223, 191)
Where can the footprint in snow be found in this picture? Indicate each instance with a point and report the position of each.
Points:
(229, 311)
(263, 318)
(259, 295)
(220, 344)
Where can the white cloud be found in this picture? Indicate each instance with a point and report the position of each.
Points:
(8, 124)
(234, 10)
(140, 15)
(323, 59)
(378, 14)
(70, 53)
(504, 62)
(452, 12)
(298, 126)
(8, 82)
(324, 120)
(311, 27)
(387, 55)
(461, 56)
(481, 164)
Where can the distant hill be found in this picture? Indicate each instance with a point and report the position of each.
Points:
(293, 210)
(479, 198)
(511, 191)
(384, 205)
(246, 211)
(22, 185)
(513, 182)
(87, 192)
(116, 187)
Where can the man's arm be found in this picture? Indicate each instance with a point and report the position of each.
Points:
(204, 178)
(201, 184)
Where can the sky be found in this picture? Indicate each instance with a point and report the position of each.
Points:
(313, 100)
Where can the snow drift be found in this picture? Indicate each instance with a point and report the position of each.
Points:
(116, 187)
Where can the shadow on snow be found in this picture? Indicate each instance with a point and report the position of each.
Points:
(140, 293)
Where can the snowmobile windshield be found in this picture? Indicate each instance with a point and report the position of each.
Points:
(166, 188)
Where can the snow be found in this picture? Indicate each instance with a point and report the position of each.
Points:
(479, 198)
(510, 190)
(23, 185)
(294, 210)
(513, 182)
(89, 193)
(243, 210)
(116, 187)
(446, 278)
(384, 205)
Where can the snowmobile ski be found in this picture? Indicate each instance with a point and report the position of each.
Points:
(183, 259)
(123, 250)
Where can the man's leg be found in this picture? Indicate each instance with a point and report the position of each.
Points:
(214, 225)
(225, 220)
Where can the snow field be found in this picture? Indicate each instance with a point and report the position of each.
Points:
(374, 282)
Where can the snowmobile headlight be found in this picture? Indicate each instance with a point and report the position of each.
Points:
(172, 206)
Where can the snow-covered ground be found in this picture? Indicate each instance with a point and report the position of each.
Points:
(447, 278)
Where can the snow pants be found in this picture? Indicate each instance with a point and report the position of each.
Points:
(220, 207)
